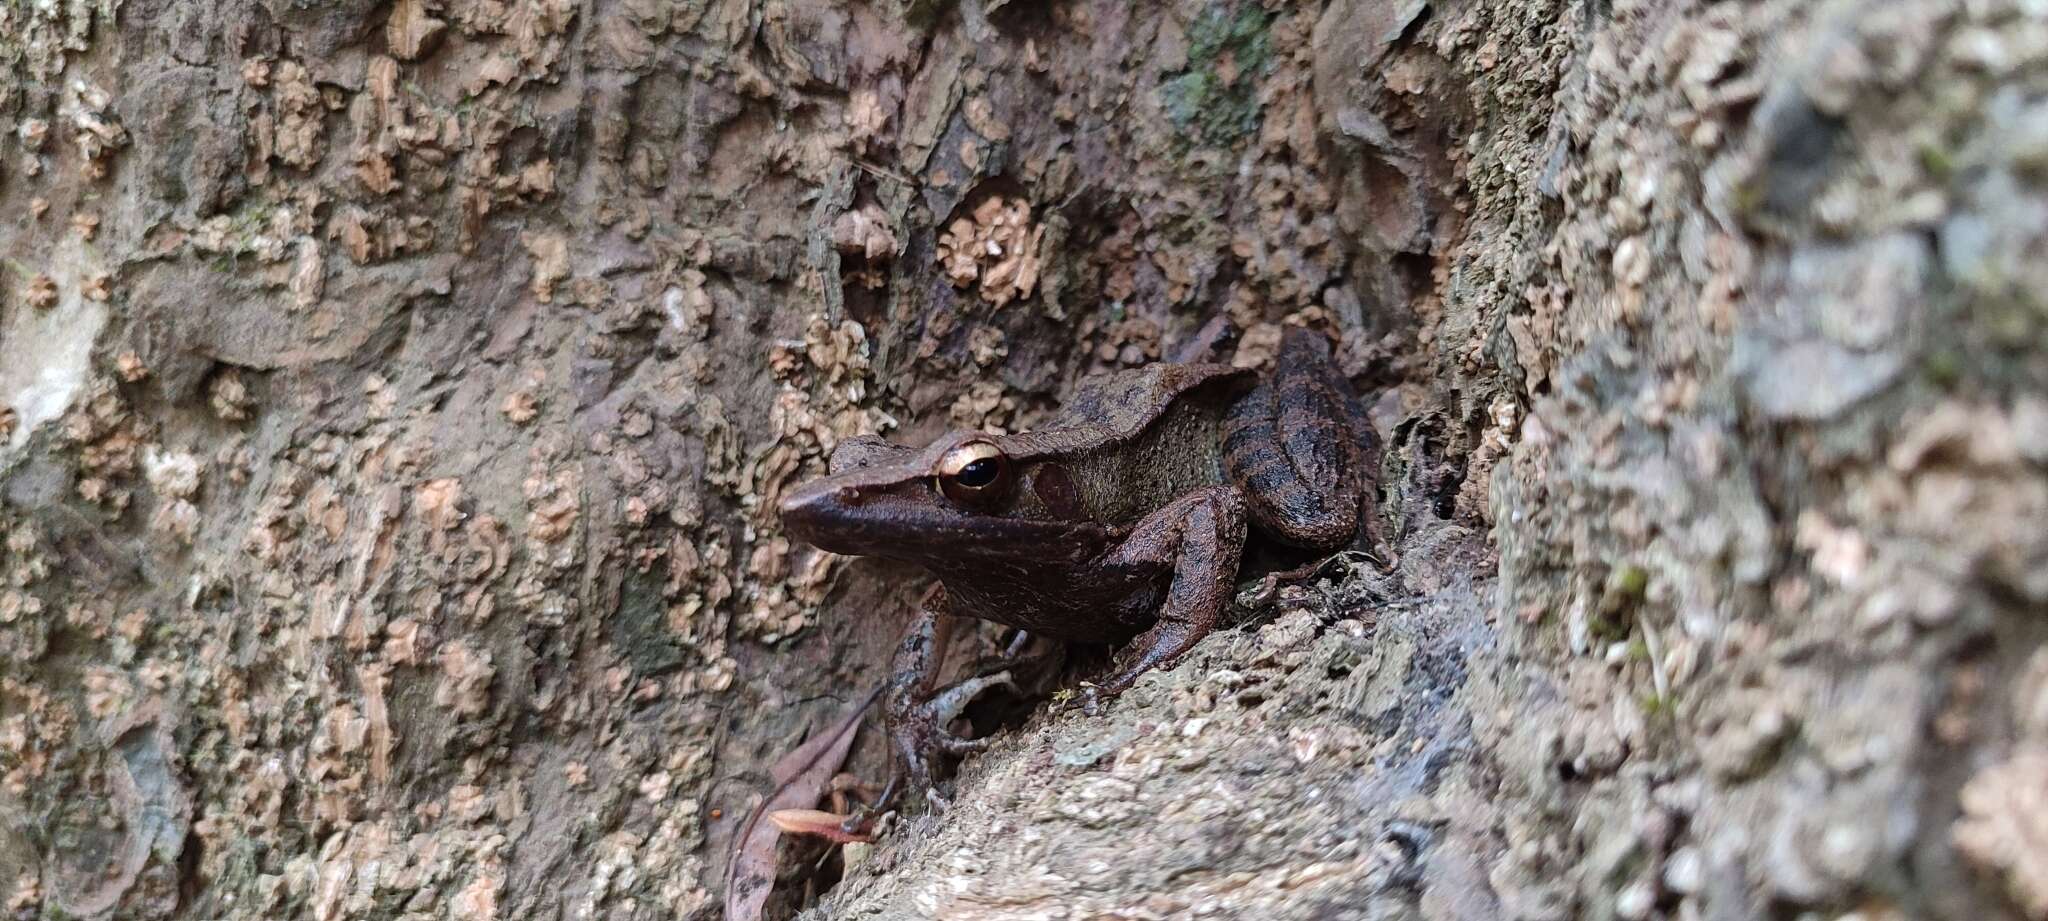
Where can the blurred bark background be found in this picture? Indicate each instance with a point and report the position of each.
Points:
(393, 397)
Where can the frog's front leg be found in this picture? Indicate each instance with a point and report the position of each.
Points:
(1200, 537)
(916, 711)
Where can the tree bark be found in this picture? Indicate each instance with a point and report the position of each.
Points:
(394, 398)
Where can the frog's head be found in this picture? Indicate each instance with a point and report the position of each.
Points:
(966, 496)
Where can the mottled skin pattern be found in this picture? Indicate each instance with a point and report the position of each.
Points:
(1122, 520)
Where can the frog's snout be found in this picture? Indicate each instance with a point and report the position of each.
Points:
(799, 510)
(811, 512)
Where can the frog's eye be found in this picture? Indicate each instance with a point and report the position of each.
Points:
(975, 473)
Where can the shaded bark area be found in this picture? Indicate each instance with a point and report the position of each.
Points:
(394, 397)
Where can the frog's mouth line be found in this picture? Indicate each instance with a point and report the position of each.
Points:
(917, 529)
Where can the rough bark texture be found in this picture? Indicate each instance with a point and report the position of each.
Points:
(393, 397)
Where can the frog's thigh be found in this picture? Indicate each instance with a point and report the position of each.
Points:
(1289, 446)
(1200, 536)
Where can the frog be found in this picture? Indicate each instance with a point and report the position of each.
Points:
(1122, 519)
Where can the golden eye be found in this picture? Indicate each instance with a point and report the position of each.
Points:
(975, 473)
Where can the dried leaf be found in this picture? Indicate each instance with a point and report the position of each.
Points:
(800, 779)
(828, 825)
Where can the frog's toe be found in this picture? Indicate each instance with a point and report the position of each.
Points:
(955, 745)
(947, 705)
(944, 708)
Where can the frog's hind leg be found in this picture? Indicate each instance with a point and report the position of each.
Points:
(1301, 449)
(1199, 538)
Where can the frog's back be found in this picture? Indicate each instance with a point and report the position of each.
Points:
(1134, 440)
(1122, 403)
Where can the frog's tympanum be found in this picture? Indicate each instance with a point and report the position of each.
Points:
(1120, 521)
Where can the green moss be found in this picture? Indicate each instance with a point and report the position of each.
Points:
(1937, 162)
(1614, 615)
(1629, 580)
(1943, 368)
(1747, 197)
(2010, 322)
(1611, 626)
(1215, 100)
(639, 629)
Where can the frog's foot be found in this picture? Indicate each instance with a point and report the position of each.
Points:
(1270, 584)
(922, 729)
(1088, 698)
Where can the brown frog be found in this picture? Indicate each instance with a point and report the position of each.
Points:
(1121, 520)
